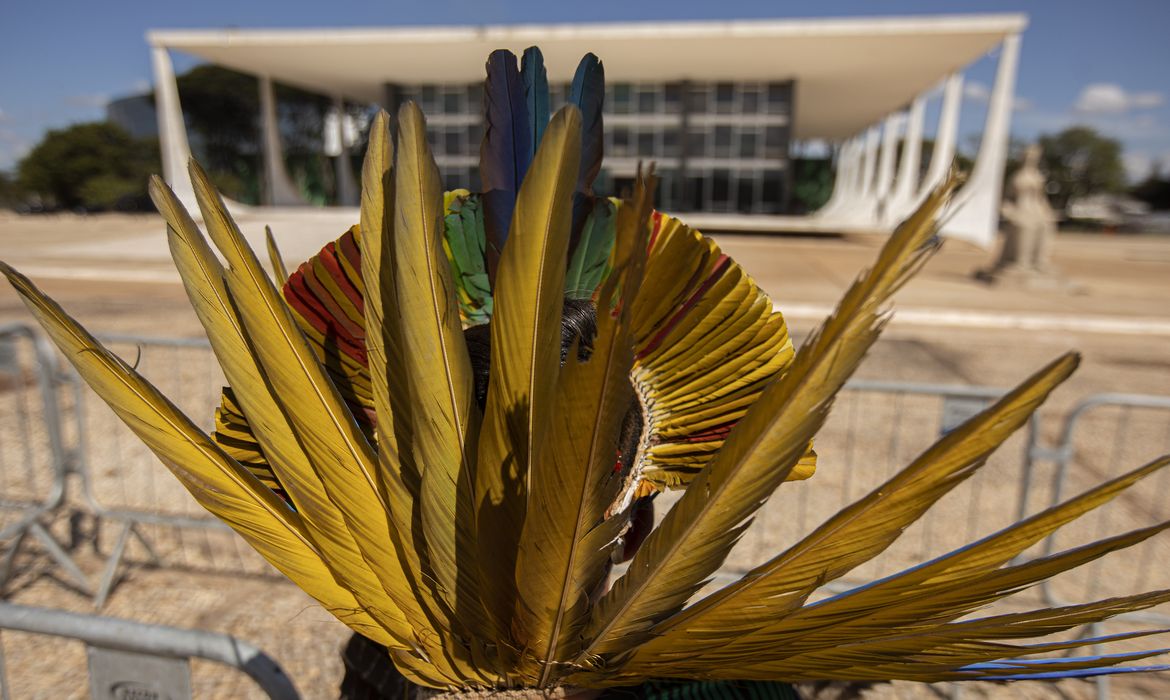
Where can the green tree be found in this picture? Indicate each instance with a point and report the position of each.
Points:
(9, 191)
(1080, 162)
(95, 166)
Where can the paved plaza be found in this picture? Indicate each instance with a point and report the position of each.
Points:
(112, 273)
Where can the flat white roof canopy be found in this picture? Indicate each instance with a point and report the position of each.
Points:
(849, 73)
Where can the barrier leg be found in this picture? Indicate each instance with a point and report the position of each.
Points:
(10, 557)
(59, 555)
(155, 560)
(109, 575)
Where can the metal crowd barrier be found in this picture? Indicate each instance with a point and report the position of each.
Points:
(136, 660)
(33, 458)
(875, 428)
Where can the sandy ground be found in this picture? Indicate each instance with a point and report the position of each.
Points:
(111, 273)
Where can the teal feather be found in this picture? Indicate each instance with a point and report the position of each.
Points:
(590, 263)
(535, 80)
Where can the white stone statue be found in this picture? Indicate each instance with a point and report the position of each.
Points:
(1031, 223)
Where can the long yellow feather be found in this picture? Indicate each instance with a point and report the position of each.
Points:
(764, 447)
(944, 588)
(444, 419)
(857, 533)
(279, 269)
(220, 484)
(525, 336)
(202, 275)
(341, 456)
(564, 545)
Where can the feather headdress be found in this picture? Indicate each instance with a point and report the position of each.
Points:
(351, 452)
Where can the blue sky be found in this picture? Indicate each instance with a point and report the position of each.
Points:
(1099, 63)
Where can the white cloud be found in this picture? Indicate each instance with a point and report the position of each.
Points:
(1111, 98)
(976, 91)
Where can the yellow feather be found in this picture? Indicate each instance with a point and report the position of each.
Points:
(202, 275)
(565, 544)
(761, 451)
(525, 337)
(855, 534)
(279, 269)
(444, 420)
(220, 484)
(340, 454)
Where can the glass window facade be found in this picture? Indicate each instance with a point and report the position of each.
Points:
(718, 147)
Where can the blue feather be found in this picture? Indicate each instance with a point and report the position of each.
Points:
(1080, 673)
(535, 79)
(588, 95)
(504, 155)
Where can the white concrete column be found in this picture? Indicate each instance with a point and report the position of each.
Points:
(885, 169)
(842, 176)
(172, 131)
(347, 190)
(945, 138)
(279, 189)
(976, 218)
(869, 172)
(906, 183)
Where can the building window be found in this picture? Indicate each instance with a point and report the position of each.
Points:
(696, 142)
(673, 97)
(475, 97)
(777, 97)
(722, 141)
(772, 196)
(749, 144)
(453, 143)
(750, 101)
(698, 99)
(721, 190)
(621, 98)
(670, 143)
(451, 103)
(647, 99)
(774, 146)
(725, 98)
(646, 144)
(745, 191)
(620, 141)
(429, 99)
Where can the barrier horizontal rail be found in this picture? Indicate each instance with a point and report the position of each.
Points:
(124, 655)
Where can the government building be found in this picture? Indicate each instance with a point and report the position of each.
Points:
(718, 106)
